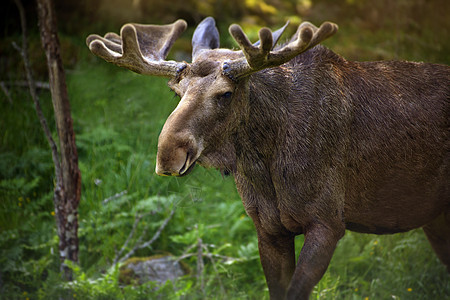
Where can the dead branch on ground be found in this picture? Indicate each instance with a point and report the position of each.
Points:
(139, 244)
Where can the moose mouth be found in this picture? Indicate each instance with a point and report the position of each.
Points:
(187, 167)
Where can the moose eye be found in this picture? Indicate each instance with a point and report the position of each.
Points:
(224, 99)
(227, 95)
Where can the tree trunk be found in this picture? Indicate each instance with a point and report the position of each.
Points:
(68, 181)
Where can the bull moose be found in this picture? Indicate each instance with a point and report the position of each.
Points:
(316, 144)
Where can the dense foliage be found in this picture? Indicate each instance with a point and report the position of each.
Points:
(117, 117)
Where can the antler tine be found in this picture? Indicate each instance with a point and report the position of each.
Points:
(255, 54)
(258, 57)
(140, 48)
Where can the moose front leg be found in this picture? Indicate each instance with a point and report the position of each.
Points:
(277, 255)
(320, 243)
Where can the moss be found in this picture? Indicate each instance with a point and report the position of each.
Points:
(127, 276)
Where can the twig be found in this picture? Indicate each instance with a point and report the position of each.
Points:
(114, 197)
(23, 51)
(210, 256)
(161, 228)
(200, 265)
(6, 92)
(137, 219)
(186, 253)
(183, 256)
(152, 240)
(21, 83)
(203, 251)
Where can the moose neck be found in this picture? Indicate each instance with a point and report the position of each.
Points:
(283, 109)
(277, 110)
(263, 111)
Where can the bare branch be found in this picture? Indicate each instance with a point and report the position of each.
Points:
(152, 240)
(137, 219)
(161, 228)
(186, 253)
(114, 197)
(32, 86)
(203, 251)
(6, 92)
(37, 84)
(200, 265)
(210, 256)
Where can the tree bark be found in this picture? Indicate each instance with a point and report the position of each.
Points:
(68, 182)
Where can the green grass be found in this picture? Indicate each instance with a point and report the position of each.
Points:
(117, 117)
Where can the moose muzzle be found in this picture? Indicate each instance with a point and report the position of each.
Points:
(177, 153)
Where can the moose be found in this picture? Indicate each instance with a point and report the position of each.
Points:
(316, 144)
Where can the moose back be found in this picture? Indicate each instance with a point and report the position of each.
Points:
(316, 144)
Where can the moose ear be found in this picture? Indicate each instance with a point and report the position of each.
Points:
(206, 36)
(275, 35)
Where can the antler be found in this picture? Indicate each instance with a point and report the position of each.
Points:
(140, 48)
(258, 57)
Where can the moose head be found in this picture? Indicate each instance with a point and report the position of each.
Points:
(207, 86)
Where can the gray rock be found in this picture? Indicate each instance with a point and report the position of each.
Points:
(154, 268)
